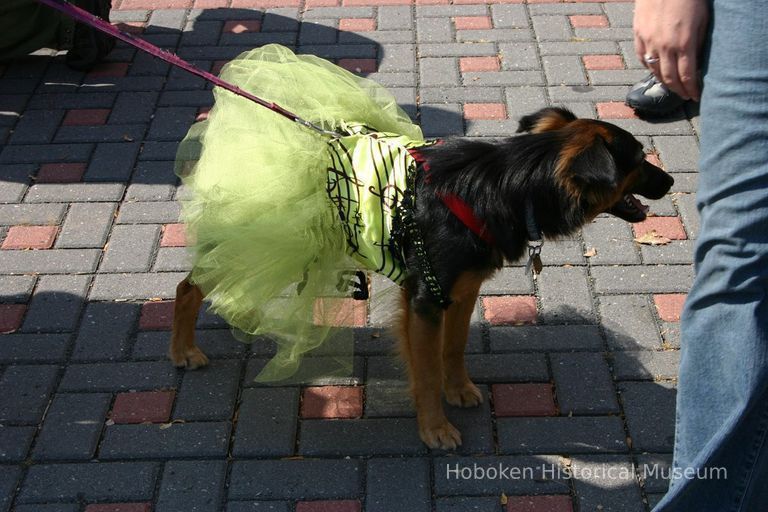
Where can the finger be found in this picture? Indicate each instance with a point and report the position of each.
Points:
(640, 49)
(688, 72)
(652, 62)
(669, 75)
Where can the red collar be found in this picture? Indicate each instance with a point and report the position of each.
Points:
(457, 205)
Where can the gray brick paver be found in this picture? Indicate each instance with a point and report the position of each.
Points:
(165, 441)
(31, 214)
(34, 348)
(86, 225)
(105, 332)
(120, 481)
(72, 427)
(131, 248)
(286, 479)
(274, 434)
(24, 392)
(192, 485)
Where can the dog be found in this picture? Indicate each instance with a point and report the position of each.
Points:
(475, 205)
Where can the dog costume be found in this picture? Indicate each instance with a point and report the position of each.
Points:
(277, 210)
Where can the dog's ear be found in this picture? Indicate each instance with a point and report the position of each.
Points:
(585, 166)
(546, 119)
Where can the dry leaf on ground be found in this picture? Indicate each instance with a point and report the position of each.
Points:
(652, 238)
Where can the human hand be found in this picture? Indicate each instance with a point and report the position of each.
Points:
(672, 32)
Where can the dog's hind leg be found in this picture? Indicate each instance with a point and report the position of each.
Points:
(459, 389)
(421, 340)
(182, 350)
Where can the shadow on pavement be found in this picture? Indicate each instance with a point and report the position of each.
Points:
(610, 424)
(149, 106)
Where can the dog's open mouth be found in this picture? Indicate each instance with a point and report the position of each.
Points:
(630, 209)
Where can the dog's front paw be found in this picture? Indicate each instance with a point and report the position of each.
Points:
(464, 394)
(440, 435)
(190, 359)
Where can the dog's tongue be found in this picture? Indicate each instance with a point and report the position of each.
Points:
(630, 209)
(637, 204)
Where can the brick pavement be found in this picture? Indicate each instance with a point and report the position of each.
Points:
(578, 367)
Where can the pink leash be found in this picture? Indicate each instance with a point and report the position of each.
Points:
(89, 19)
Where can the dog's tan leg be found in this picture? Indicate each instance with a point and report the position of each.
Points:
(421, 340)
(183, 351)
(459, 389)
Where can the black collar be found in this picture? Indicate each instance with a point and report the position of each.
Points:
(407, 232)
(534, 240)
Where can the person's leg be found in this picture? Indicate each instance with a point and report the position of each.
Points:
(722, 403)
(26, 26)
(89, 45)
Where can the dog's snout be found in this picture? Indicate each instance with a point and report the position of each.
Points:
(654, 182)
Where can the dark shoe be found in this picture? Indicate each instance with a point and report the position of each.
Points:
(651, 97)
(90, 46)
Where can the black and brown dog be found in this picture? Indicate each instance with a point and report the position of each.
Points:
(556, 177)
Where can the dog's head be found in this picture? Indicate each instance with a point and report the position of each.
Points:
(599, 164)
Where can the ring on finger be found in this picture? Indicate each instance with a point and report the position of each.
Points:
(651, 59)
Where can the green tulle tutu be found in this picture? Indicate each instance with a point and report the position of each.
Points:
(267, 243)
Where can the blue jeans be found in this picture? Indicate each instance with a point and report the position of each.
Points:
(722, 397)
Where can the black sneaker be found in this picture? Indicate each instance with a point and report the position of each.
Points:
(651, 97)
(90, 46)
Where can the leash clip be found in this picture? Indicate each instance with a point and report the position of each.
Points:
(355, 281)
(534, 257)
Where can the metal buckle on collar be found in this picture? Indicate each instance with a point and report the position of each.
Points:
(534, 257)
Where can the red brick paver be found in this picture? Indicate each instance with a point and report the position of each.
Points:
(357, 24)
(264, 4)
(468, 64)
(218, 65)
(131, 27)
(30, 237)
(352, 3)
(11, 316)
(588, 21)
(211, 4)
(669, 305)
(141, 407)
(332, 402)
(358, 65)
(493, 111)
(86, 117)
(242, 26)
(669, 227)
(174, 235)
(328, 506)
(119, 507)
(523, 400)
(654, 159)
(472, 22)
(155, 4)
(109, 69)
(615, 110)
(156, 315)
(558, 503)
(61, 173)
(510, 310)
(340, 312)
(595, 62)
(309, 4)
